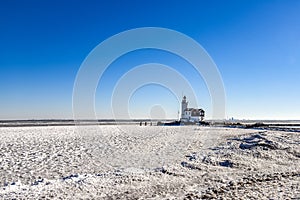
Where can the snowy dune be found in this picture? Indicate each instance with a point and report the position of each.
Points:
(133, 162)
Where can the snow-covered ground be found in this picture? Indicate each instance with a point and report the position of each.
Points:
(133, 162)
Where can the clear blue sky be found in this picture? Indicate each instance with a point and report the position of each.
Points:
(254, 43)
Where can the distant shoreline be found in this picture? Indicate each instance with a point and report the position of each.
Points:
(69, 122)
(279, 125)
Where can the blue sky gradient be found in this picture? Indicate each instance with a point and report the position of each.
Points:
(255, 44)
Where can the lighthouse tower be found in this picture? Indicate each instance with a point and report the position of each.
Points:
(184, 105)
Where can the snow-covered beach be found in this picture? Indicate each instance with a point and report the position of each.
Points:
(153, 162)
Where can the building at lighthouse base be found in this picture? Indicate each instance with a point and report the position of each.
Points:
(190, 115)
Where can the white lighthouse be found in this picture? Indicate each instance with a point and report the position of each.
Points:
(190, 115)
(184, 105)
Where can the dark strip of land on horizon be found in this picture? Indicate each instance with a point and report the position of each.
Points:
(279, 125)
